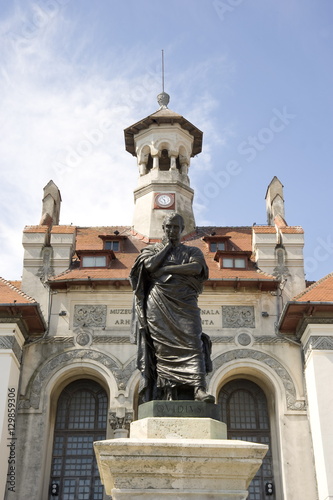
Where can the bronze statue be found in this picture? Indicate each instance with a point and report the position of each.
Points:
(173, 353)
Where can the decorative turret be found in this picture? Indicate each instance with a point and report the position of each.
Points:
(51, 205)
(277, 247)
(163, 143)
(274, 201)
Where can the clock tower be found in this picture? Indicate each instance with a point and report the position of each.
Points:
(163, 143)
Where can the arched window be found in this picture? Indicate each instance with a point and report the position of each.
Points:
(244, 410)
(149, 162)
(164, 161)
(80, 420)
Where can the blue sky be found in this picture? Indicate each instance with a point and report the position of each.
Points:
(254, 75)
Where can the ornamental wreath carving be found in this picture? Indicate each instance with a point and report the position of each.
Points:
(238, 317)
(90, 315)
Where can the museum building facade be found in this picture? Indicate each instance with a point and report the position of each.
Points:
(70, 369)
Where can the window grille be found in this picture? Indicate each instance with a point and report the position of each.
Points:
(244, 410)
(81, 419)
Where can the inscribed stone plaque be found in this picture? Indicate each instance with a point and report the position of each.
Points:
(90, 315)
(211, 318)
(238, 316)
(184, 409)
(120, 317)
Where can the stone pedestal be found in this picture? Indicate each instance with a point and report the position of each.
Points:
(178, 458)
(178, 428)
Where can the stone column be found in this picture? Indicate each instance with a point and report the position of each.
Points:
(317, 342)
(120, 420)
(155, 162)
(143, 168)
(173, 156)
(11, 341)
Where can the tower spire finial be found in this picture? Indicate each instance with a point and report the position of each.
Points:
(163, 98)
(162, 70)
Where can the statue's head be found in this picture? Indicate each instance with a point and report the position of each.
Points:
(174, 217)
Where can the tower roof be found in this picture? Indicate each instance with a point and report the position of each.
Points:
(160, 117)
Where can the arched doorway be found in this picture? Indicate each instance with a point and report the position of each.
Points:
(81, 419)
(244, 410)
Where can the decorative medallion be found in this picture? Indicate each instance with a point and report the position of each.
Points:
(83, 339)
(244, 339)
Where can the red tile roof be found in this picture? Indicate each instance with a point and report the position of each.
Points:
(88, 238)
(264, 229)
(320, 291)
(16, 283)
(292, 230)
(283, 229)
(9, 294)
(63, 229)
(25, 310)
(316, 301)
(36, 229)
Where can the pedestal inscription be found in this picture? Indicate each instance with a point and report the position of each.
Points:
(183, 409)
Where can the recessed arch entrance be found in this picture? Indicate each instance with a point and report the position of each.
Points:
(81, 419)
(245, 411)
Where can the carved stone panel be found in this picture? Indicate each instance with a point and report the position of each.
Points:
(238, 317)
(90, 315)
(322, 343)
(10, 342)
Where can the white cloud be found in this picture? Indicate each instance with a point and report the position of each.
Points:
(64, 121)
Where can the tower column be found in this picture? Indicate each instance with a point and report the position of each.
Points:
(155, 162)
(143, 168)
(173, 157)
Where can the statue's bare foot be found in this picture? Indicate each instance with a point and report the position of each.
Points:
(200, 394)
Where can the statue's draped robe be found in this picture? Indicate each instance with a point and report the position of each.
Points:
(166, 322)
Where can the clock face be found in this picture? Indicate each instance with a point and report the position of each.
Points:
(164, 200)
